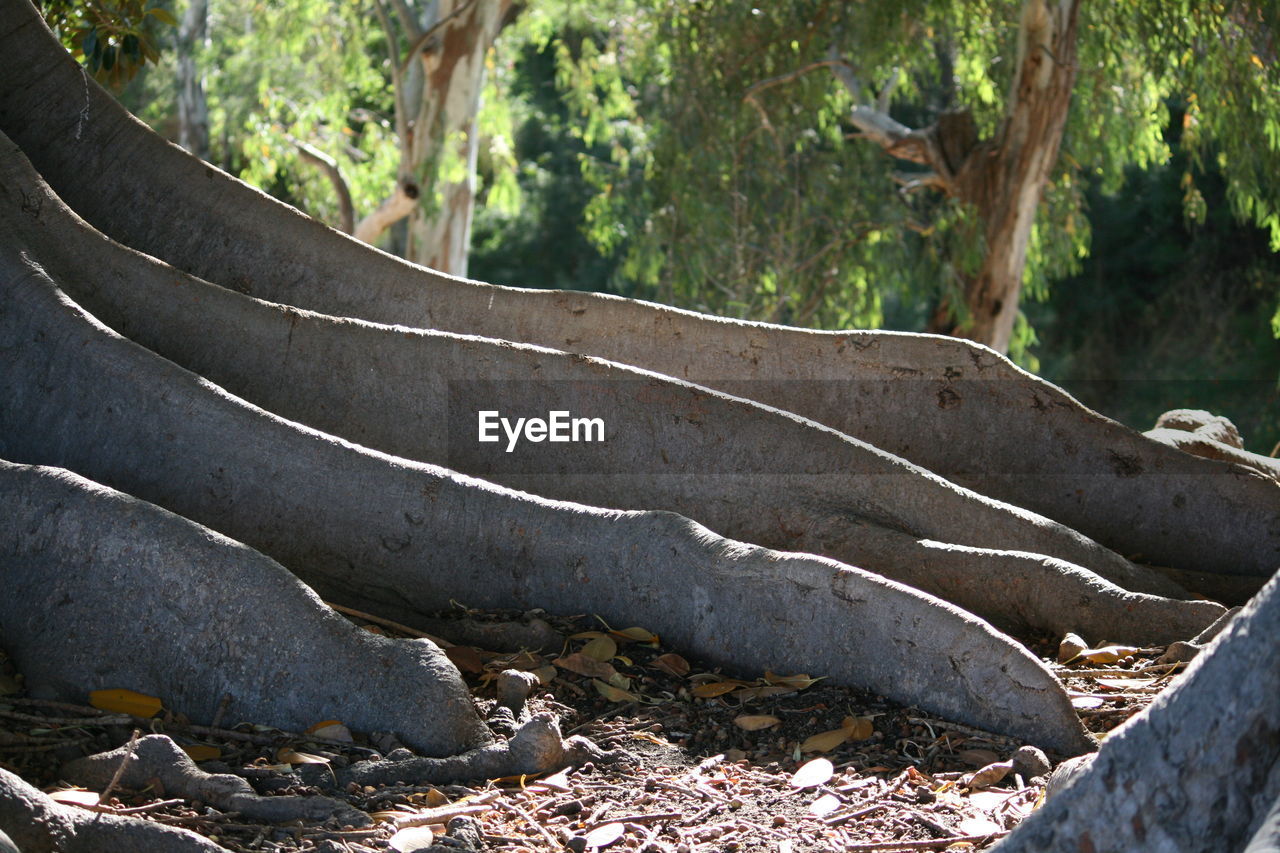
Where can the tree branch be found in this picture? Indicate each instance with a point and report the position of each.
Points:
(326, 164)
(397, 79)
(392, 209)
(422, 39)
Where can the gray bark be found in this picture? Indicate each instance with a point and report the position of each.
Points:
(406, 392)
(1198, 770)
(952, 407)
(387, 534)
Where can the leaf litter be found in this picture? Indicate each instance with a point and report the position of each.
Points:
(717, 762)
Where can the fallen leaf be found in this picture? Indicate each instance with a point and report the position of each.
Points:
(601, 648)
(546, 674)
(75, 797)
(1070, 648)
(1123, 683)
(614, 694)
(587, 635)
(799, 682)
(824, 805)
(636, 635)
(331, 730)
(756, 722)
(672, 664)
(286, 755)
(751, 694)
(556, 782)
(583, 665)
(125, 702)
(1085, 703)
(988, 776)
(715, 688)
(201, 752)
(824, 741)
(603, 836)
(465, 658)
(1107, 654)
(411, 839)
(978, 757)
(812, 774)
(859, 728)
(979, 826)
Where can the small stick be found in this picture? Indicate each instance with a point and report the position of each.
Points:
(387, 623)
(929, 844)
(128, 754)
(551, 839)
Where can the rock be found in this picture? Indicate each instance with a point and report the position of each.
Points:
(1030, 762)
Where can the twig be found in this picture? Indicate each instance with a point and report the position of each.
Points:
(387, 623)
(115, 777)
(527, 818)
(635, 818)
(928, 844)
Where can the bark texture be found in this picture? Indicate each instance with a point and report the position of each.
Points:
(1198, 770)
(952, 407)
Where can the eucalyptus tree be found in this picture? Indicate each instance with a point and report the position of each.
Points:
(795, 158)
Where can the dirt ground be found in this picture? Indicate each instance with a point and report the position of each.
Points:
(779, 762)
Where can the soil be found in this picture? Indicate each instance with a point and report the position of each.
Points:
(712, 761)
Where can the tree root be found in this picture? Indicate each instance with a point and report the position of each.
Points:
(156, 761)
(36, 824)
(850, 503)
(1198, 770)
(382, 533)
(90, 579)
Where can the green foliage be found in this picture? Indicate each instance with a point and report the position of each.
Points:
(114, 40)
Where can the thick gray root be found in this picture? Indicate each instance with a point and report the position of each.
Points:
(36, 824)
(669, 445)
(383, 533)
(1198, 770)
(953, 407)
(157, 763)
(106, 591)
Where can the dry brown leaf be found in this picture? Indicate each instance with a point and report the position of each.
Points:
(201, 752)
(824, 741)
(1123, 683)
(988, 776)
(799, 682)
(714, 688)
(603, 836)
(614, 694)
(672, 664)
(331, 730)
(546, 674)
(756, 722)
(465, 658)
(751, 694)
(588, 635)
(125, 702)
(812, 774)
(584, 665)
(286, 755)
(1107, 654)
(979, 826)
(601, 648)
(859, 728)
(978, 757)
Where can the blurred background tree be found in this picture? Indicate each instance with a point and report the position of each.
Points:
(812, 162)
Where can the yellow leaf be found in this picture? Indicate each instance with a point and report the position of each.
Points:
(201, 752)
(1256, 61)
(1107, 654)
(286, 755)
(813, 773)
(756, 722)
(715, 688)
(331, 730)
(601, 649)
(581, 664)
(858, 728)
(587, 635)
(824, 741)
(125, 702)
(799, 682)
(636, 635)
(613, 694)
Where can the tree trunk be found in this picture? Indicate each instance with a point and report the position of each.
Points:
(193, 110)
(947, 405)
(1198, 770)
(1005, 178)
